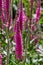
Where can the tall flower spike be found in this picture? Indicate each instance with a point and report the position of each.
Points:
(0, 59)
(3, 10)
(6, 15)
(38, 10)
(7, 7)
(22, 16)
(0, 7)
(18, 39)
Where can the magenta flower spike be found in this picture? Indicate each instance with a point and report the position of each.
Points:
(7, 6)
(0, 7)
(38, 10)
(3, 10)
(0, 59)
(18, 39)
(22, 17)
(6, 15)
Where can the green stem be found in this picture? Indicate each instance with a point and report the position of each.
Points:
(7, 36)
(30, 33)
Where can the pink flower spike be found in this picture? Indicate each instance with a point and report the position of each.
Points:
(0, 7)
(19, 46)
(7, 6)
(21, 15)
(3, 10)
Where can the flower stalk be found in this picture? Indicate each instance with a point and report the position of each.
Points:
(19, 46)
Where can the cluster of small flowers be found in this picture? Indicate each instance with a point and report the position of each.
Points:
(5, 12)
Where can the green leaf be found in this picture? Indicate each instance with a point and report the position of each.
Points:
(3, 43)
